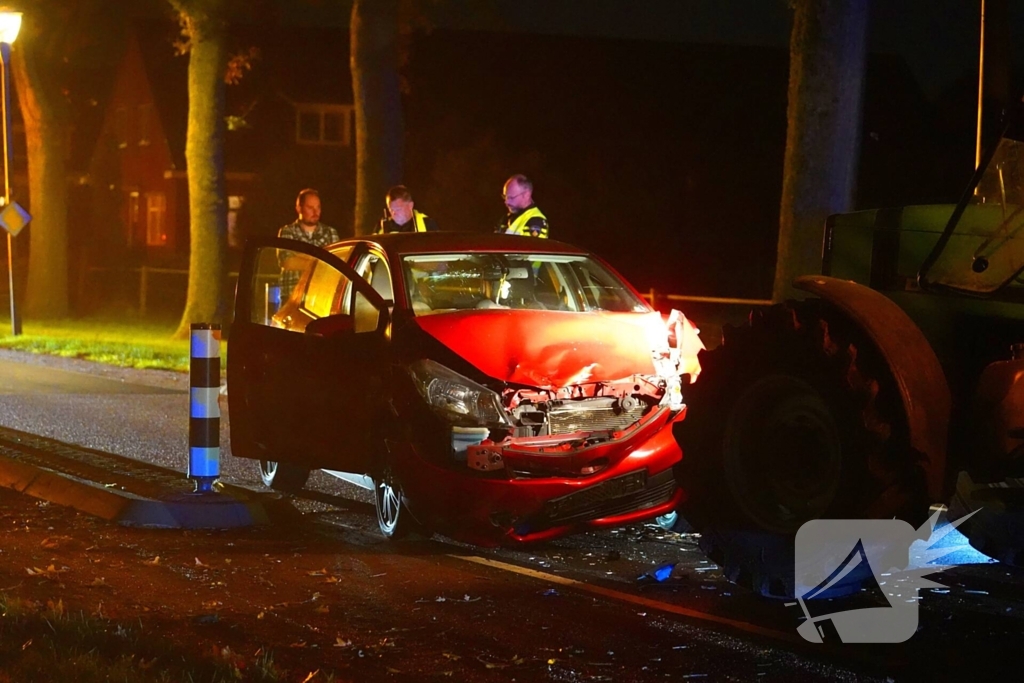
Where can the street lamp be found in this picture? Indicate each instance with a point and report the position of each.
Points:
(10, 24)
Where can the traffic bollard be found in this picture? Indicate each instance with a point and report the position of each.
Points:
(204, 413)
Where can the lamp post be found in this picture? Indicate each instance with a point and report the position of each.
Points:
(10, 24)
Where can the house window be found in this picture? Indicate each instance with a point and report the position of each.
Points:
(156, 215)
(235, 236)
(324, 124)
(133, 218)
(309, 127)
(121, 126)
(145, 121)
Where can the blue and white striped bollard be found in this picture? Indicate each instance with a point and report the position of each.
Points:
(204, 413)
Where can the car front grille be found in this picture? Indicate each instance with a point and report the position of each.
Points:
(593, 415)
(622, 494)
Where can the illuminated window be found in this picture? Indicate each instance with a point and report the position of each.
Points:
(235, 237)
(145, 121)
(133, 218)
(156, 214)
(324, 124)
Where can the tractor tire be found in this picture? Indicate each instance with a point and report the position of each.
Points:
(795, 416)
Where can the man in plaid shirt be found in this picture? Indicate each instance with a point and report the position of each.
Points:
(307, 228)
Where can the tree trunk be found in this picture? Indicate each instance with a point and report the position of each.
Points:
(826, 83)
(45, 136)
(204, 159)
(380, 130)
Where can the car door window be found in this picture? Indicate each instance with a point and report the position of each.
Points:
(374, 270)
(318, 293)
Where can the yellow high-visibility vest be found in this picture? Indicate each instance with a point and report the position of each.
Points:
(519, 226)
(421, 222)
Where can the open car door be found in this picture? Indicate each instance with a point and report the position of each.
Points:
(305, 367)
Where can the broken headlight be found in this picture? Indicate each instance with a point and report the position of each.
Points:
(458, 399)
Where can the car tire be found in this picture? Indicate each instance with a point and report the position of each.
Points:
(795, 416)
(393, 516)
(283, 476)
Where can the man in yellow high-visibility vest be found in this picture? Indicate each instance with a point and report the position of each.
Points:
(524, 218)
(401, 214)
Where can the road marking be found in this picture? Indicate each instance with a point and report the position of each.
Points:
(634, 599)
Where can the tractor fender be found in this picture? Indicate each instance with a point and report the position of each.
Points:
(919, 376)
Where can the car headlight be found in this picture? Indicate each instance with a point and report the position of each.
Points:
(458, 399)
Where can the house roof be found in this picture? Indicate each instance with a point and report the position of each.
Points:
(294, 68)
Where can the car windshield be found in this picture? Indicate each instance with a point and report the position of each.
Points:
(441, 283)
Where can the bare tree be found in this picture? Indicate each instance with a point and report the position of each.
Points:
(204, 25)
(378, 106)
(826, 77)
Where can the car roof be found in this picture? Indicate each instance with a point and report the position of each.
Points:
(402, 243)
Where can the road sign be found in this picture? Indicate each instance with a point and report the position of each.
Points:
(13, 218)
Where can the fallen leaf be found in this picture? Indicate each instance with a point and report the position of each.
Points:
(322, 609)
(449, 655)
(99, 581)
(261, 615)
(155, 561)
(331, 579)
(308, 678)
(199, 563)
(341, 642)
(317, 572)
(227, 560)
(301, 643)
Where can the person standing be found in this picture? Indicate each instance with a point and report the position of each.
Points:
(307, 228)
(524, 218)
(402, 215)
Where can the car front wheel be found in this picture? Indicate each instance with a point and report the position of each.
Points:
(283, 476)
(392, 515)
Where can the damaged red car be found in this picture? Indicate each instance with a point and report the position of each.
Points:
(496, 389)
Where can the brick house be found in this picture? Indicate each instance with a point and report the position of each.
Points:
(289, 126)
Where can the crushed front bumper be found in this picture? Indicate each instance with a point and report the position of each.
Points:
(544, 493)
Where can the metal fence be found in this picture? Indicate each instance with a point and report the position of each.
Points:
(653, 296)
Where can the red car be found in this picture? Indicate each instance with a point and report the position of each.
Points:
(494, 388)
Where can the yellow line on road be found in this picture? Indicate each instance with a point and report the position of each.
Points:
(634, 599)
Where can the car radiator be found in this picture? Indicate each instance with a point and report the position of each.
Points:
(593, 414)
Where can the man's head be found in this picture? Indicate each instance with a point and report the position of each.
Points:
(308, 207)
(400, 204)
(518, 193)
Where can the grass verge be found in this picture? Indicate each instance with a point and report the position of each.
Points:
(47, 643)
(140, 344)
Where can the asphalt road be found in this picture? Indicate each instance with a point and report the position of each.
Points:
(969, 629)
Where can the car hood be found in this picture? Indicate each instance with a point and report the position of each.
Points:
(548, 349)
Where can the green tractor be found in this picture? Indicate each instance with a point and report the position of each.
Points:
(900, 375)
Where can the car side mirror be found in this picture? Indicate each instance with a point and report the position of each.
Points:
(331, 325)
